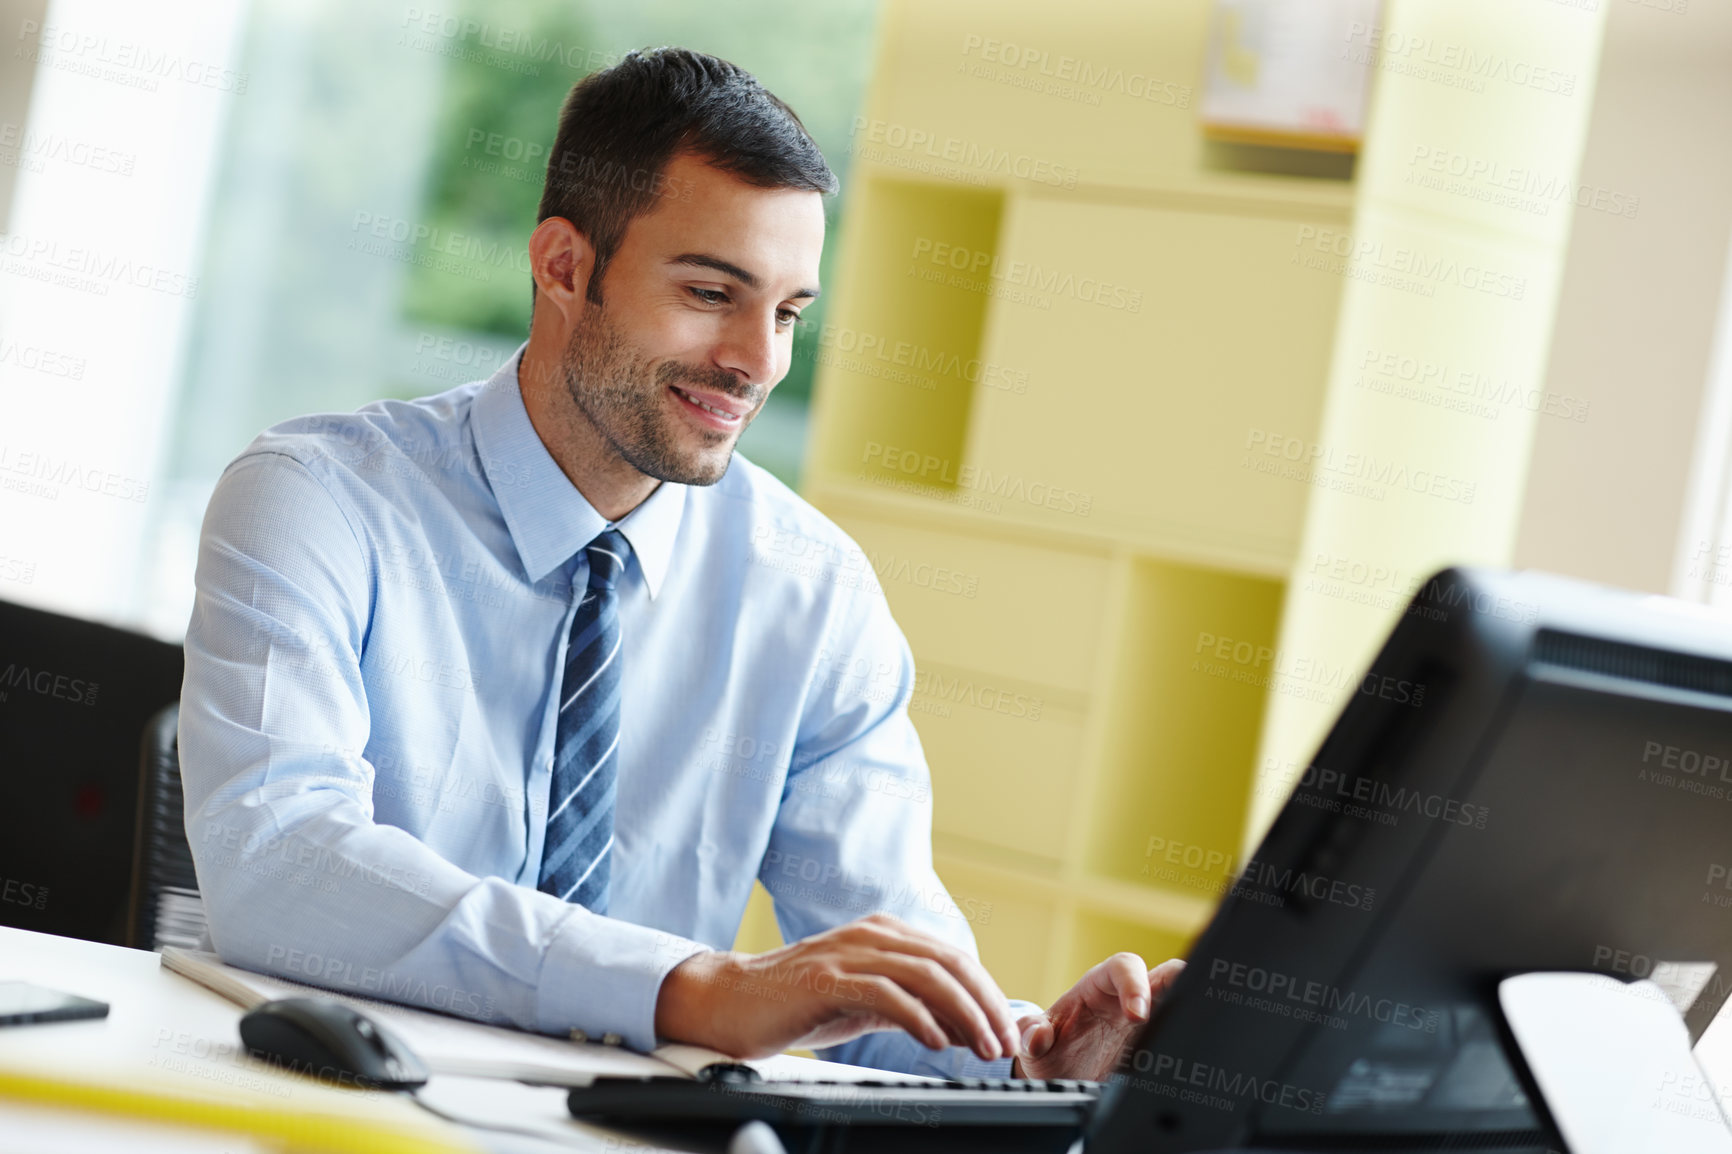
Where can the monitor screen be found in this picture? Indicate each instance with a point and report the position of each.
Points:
(1553, 791)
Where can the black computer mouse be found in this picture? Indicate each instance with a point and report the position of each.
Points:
(332, 1042)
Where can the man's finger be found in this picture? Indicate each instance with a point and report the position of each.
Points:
(896, 937)
(1162, 977)
(1037, 1035)
(895, 1003)
(1129, 976)
(942, 993)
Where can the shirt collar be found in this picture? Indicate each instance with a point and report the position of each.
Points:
(548, 518)
(651, 528)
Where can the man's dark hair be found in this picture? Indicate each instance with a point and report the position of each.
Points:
(619, 128)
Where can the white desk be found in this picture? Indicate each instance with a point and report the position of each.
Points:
(169, 1034)
(165, 1031)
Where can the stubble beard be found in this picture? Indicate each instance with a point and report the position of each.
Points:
(612, 384)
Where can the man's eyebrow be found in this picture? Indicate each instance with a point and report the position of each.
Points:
(749, 279)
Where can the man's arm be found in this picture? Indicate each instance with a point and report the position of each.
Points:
(297, 878)
(854, 834)
(902, 989)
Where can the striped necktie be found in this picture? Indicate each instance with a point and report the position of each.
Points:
(574, 862)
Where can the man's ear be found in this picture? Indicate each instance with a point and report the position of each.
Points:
(561, 260)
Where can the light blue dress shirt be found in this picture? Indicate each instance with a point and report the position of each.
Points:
(367, 724)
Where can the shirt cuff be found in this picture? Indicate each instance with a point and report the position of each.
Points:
(602, 976)
(972, 1067)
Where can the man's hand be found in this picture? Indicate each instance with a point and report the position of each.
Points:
(1086, 1031)
(877, 973)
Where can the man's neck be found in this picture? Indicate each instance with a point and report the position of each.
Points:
(612, 485)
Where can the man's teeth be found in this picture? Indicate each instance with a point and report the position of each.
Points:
(723, 413)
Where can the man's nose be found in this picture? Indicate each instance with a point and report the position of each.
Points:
(749, 347)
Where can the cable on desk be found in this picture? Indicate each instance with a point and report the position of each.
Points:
(752, 1138)
(497, 1127)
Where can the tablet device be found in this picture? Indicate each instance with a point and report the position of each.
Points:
(22, 1003)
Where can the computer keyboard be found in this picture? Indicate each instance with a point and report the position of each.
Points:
(1044, 1114)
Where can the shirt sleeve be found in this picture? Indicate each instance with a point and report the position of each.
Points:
(854, 832)
(296, 876)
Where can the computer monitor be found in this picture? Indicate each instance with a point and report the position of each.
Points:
(1536, 774)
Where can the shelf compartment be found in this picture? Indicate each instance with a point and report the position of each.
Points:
(1191, 343)
(969, 601)
(1005, 779)
(894, 361)
(1063, 100)
(1184, 708)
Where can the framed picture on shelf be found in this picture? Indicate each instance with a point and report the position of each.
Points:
(1289, 73)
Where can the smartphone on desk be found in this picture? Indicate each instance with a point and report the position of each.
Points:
(23, 1004)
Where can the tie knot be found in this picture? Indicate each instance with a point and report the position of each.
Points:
(607, 554)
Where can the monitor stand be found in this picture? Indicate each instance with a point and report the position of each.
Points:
(1612, 1061)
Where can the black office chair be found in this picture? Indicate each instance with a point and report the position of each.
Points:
(73, 697)
(166, 909)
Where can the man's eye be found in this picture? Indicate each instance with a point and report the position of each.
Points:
(788, 316)
(710, 296)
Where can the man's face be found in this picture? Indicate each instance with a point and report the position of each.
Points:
(696, 328)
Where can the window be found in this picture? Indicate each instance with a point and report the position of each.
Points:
(354, 219)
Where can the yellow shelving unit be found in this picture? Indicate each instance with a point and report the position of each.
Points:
(1452, 274)
(1074, 350)
(1068, 313)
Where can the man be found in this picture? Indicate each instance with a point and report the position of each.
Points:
(467, 676)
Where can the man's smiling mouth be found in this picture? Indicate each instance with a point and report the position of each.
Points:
(716, 410)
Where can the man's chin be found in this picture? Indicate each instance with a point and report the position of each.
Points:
(710, 472)
(700, 469)
(677, 452)
(707, 462)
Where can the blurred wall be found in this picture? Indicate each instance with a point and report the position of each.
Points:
(15, 81)
(1607, 495)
